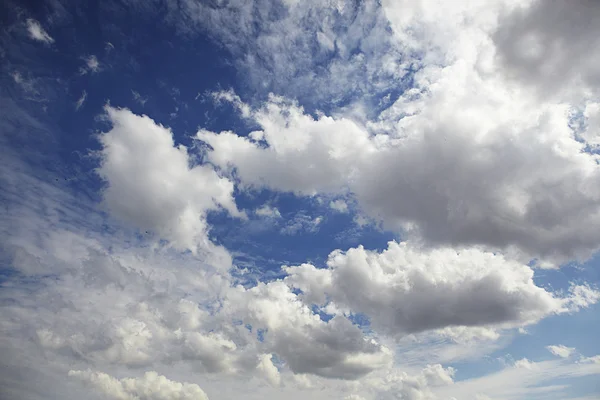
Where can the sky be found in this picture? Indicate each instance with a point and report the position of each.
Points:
(325, 199)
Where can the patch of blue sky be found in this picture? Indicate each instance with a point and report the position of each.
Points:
(325, 317)
(362, 321)
(260, 334)
(260, 244)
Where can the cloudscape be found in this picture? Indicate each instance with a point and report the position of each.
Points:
(287, 199)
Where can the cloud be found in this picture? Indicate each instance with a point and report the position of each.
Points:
(407, 290)
(582, 296)
(301, 223)
(330, 54)
(151, 386)
(269, 370)
(590, 360)
(29, 86)
(307, 344)
(91, 65)
(150, 182)
(36, 32)
(304, 155)
(81, 100)
(139, 98)
(538, 42)
(148, 305)
(501, 181)
(268, 212)
(339, 206)
(525, 363)
(529, 380)
(401, 385)
(561, 351)
(591, 131)
(428, 126)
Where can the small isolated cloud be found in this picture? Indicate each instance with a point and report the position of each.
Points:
(525, 363)
(91, 65)
(561, 351)
(109, 47)
(339, 206)
(302, 223)
(81, 100)
(139, 98)
(27, 85)
(134, 153)
(36, 32)
(268, 212)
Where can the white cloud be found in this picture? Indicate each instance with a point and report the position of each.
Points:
(151, 386)
(339, 206)
(530, 380)
(151, 306)
(301, 223)
(151, 184)
(468, 165)
(590, 360)
(406, 289)
(139, 98)
(91, 65)
(561, 350)
(331, 53)
(269, 370)
(525, 363)
(31, 87)
(582, 296)
(591, 133)
(466, 156)
(401, 385)
(81, 100)
(308, 345)
(36, 32)
(268, 212)
(432, 182)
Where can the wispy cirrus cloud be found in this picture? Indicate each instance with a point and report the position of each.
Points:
(81, 100)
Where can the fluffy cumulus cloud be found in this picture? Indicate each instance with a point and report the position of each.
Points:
(335, 348)
(151, 386)
(463, 132)
(466, 156)
(151, 183)
(400, 385)
(423, 290)
(463, 161)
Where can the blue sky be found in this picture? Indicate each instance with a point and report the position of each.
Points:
(336, 199)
